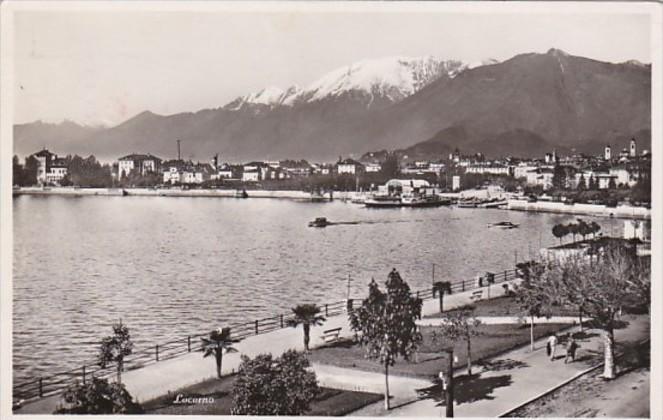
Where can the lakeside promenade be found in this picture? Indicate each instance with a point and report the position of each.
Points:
(504, 383)
(166, 376)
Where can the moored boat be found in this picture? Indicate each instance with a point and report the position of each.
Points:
(418, 200)
(383, 201)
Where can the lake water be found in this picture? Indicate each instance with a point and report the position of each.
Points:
(170, 267)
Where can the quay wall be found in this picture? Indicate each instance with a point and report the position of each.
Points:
(581, 209)
(174, 192)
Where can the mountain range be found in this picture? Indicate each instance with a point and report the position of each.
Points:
(524, 106)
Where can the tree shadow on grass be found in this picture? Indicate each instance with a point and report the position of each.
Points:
(341, 343)
(502, 364)
(618, 324)
(467, 389)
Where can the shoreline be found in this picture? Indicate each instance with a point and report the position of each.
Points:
(600, 210)
(618, 212)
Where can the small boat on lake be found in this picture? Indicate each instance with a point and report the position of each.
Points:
(319, 222)
(241, 194)
(504, 225)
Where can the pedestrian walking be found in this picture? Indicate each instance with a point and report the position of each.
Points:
(571, 347)
(552, 344)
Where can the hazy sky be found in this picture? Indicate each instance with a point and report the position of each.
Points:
(104, 67)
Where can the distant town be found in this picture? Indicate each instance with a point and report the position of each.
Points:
(609, 177)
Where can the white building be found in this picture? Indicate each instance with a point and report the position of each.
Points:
(51, 168)
(349, 166)
(490, 169)
(372, 167)
(143, 163)
(404, 186)
(540, 176)
(252, 175)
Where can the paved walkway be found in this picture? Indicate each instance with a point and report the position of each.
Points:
(169, 375)
(513, 378)
(494, 320)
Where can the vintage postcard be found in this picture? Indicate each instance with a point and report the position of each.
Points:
(363, 209)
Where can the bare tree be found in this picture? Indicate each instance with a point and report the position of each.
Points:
(618, 278)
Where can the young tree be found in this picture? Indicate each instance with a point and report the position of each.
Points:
(390, 168)
(572, 228)
(583, 229)
(219, 340)
(461, 325)
(307, 315)
(559, 177)
(559, 231)
(592, 183)
(612, 184)
(98, 396)
(533, 299)
(265, 386)
(602, 289)
(387, 325)
(441, 287)
(30, 171)
(582, 183)
(594, 228)
(114, 348)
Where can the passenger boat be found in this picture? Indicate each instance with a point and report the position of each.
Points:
(467, 203)
(383, 201)
(420, 200)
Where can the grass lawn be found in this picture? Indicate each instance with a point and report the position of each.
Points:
(430, 360)
(330, 402)
(504, 306)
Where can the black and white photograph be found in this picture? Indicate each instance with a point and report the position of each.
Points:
(362, 209)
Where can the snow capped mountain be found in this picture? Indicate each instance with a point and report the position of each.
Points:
(481, 63)
(390, 78)
(393, 77)
(270, 96)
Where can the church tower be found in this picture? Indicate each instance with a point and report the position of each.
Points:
(607, 154)
(633, 151)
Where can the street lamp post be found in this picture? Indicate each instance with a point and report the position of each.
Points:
(448, 384)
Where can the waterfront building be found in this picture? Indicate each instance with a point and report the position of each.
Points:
(490, 168)
(372, 167)
(541, 176)
(349, 166)
(252, 175)
(225, 171)
(182, 172)
(455, 183)
(51, 168)
(522, 169)
(141, 163)
(404, 186)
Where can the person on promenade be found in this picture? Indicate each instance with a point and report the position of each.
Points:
(571, 347)
(551, 346)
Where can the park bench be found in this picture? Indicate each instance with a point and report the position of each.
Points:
(330, 336)
(478, 295)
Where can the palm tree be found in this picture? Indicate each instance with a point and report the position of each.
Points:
(307, 315)
(441, 287)
(218, 341)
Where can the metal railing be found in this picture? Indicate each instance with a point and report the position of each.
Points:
(45, 386)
